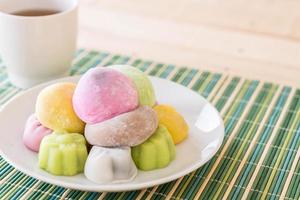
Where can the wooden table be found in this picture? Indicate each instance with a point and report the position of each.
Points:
(259, 39)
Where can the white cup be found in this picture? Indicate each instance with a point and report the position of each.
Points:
(36, 49)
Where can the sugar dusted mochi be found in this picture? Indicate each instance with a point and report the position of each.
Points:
(103, 93)
(110, 165)
(54, 108)
(34, 132)
(63, 154)
(173, 121)
(141, 81)
(128, 129)
(156, 152)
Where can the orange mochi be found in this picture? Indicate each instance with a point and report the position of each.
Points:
(54, 108)
(173, 121)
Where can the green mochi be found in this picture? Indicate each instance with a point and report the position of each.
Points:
(156, 152)
(63, 153)
(142, 83)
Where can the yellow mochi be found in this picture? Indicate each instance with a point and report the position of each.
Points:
(173, 121)
(54, 108)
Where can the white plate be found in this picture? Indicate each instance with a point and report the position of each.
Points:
(205, 138)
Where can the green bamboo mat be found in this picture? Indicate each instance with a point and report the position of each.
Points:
(259, 158)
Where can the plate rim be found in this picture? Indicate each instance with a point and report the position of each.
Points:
(111, 187)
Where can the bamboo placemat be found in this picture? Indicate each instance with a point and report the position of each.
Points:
(259, 158)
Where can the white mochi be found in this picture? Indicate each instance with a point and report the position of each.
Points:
(110, 165)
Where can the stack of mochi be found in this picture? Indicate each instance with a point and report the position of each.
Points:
(114, 109)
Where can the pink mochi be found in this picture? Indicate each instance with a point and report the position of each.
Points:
(104, 93)
(34, 133)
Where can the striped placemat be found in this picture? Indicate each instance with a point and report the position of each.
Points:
(259, 158)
